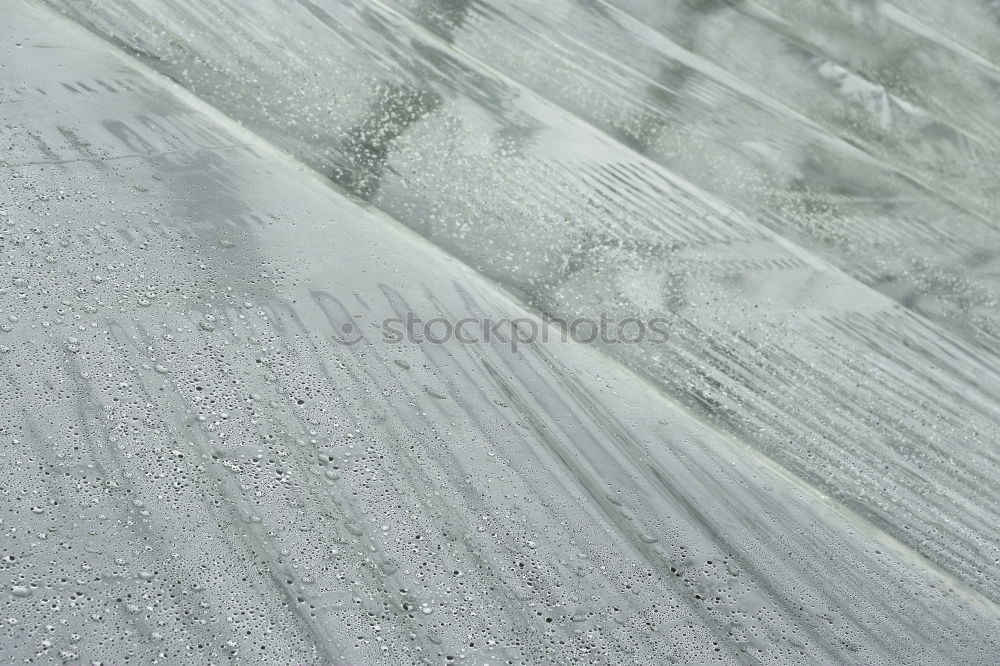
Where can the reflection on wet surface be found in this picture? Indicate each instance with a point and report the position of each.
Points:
(393, 108)
(199, 469)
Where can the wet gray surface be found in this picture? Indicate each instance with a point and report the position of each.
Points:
(196, 468)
